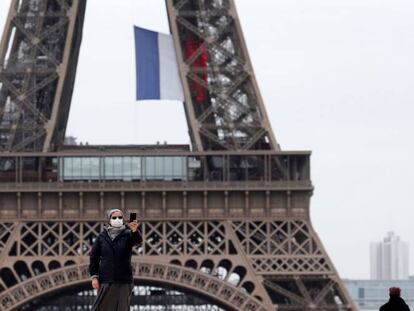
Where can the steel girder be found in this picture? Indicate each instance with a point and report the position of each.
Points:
(38, 58)
(223, 104)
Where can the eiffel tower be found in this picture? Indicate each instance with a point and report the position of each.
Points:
(225, 221)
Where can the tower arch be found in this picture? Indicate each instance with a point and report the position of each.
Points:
(186, 279)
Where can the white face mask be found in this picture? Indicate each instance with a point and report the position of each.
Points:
(116, 222)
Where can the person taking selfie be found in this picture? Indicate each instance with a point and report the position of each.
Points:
(110, 263)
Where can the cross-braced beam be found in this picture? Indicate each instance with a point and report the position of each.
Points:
(38, 58)
(223, 103)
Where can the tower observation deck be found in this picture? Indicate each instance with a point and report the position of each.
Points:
(225, 221)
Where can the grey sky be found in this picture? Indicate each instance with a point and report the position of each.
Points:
(337, 79)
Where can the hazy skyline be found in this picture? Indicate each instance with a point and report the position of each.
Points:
(336, 77)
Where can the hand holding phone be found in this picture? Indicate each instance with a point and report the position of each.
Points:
(133, 223)
(132, 217)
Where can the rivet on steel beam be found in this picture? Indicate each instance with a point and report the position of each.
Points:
(35, 41)
(21, 97)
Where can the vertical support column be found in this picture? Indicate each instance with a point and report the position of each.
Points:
(205, 204)
(81, 209)
(66, 72)
(60, 213)
(143, 204)
(164, 204)
(39, 205)
(19, 204)
(226, 203)
(102, 204)
(289, 202)
(268, 213)
(189, 109)
(16, 170)
(185, 204)
(247, 212)
(5, 40)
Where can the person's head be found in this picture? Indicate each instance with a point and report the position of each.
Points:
(395, 292)
(116, 218)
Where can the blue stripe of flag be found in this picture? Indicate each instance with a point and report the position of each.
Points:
(148, 64)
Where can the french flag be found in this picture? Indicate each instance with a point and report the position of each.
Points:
(157, 69)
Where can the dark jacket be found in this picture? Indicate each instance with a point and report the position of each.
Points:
(111, 260)
(395, 304)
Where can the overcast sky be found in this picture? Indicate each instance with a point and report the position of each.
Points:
(337, 79)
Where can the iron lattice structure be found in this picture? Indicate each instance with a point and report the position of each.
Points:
(227, 224)
(38, 59)
(223, 103)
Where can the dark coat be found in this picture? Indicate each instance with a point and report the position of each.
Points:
(395, 304)
(111, 260)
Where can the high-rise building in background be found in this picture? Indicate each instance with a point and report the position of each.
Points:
(390, 259)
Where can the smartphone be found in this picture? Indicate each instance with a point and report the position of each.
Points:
(132, 217)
